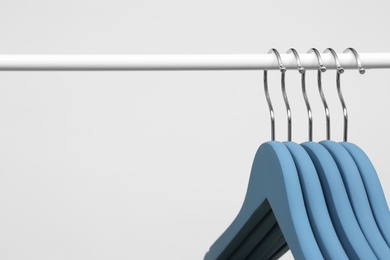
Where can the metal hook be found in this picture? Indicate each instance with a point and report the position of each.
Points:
(302, 71)
(359, 63)
(289, 120)
(340, 70)
(271, 110)
(322, 68)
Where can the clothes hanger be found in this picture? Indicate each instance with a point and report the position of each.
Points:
(273, 185)
(317, 211)
(342, 215)
(370, 178)
(354, 184)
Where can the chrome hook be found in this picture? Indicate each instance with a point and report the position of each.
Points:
(359, 63)
(289, 120)
(302, 71)
(340, 70)
(322, 68)
(271, 110)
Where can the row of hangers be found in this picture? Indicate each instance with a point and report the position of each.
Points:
(302, 71)
(320, 200)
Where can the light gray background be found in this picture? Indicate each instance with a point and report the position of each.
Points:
(154, 165)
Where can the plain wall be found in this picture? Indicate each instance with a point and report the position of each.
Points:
(155, 165)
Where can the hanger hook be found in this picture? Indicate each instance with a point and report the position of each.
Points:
(340, 70)
(302, 71)
(271, 110)
(359, 63)
(322, 68)
(289, 121)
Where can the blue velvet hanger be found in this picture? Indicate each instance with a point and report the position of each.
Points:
(342, 215)
(358, 198)
(373, 188)
(274, 180)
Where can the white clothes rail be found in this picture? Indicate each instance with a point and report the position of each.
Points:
(185, 62)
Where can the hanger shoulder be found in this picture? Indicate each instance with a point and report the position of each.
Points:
(358, 198)
(316, 208)
(273, 179)
(342, 215)
(373, 188)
